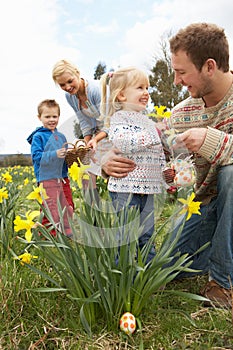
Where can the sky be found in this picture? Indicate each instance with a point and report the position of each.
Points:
(34, 35)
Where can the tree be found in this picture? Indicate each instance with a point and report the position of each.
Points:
(164, 92)
(99, 70)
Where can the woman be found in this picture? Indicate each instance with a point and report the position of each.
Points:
(84, 97)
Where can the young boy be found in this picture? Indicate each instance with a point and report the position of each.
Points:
(48, 153)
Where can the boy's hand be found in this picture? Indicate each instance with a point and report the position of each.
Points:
(61, 153)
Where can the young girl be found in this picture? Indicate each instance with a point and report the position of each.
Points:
(125, 97)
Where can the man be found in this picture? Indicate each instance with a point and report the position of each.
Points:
(200, 59)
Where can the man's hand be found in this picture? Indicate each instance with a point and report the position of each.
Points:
(192, 139)
(113, 164)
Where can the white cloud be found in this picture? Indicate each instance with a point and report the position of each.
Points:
(102, 29)
(141, 42)
(28, 54)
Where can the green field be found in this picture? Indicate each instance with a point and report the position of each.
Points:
(71, 295)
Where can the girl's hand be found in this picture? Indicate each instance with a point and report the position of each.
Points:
(160, 126)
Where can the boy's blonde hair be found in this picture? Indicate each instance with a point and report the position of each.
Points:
(113, 83)
(49, 104)
(64, 66)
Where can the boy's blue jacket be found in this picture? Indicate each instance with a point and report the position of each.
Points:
(44, 144)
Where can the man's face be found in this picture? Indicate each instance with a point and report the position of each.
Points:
(186, 74)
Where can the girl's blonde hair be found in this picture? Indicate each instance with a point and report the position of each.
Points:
(113, 83)
(64, 66)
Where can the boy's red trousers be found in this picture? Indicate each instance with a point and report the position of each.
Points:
(58, 190)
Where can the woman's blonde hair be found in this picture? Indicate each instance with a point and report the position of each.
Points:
(64, 66)
(113, 83)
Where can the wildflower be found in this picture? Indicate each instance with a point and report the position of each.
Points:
(190, 206)
(3, 194)
(160, 112)
(26, 224)
(26, 181)
(78, 173)
(38, 193)
(7, 177)
(26, 258)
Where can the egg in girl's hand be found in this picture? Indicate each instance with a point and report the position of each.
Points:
(128, 323)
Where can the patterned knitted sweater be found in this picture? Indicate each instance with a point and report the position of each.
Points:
(217, 149)
(135, 135)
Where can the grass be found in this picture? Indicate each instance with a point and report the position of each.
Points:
(51, 320)
(36, 321)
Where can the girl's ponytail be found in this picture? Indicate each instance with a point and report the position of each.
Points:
(104, 105)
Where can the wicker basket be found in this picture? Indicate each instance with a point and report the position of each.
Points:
(78, 151)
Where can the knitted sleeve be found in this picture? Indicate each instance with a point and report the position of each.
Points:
(217, 147)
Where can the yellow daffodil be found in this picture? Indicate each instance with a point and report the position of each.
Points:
(7, 177)
(38, 193)
(26, 258)
(160, 112)
(26, 224)
(3, 194)
(26, 181)
(78, 173)
(190, 206)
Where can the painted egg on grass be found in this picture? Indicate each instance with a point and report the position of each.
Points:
(128, 323)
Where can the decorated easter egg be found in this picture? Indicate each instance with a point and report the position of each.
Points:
(80, 143)
(184, 178)
(128, 323)
(180, 164)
